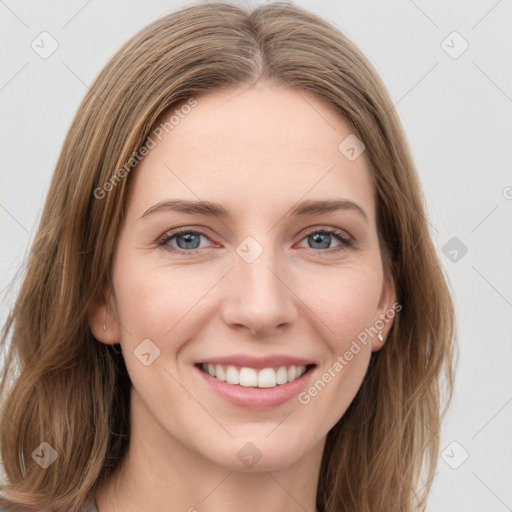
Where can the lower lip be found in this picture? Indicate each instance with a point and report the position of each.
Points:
(257, 398)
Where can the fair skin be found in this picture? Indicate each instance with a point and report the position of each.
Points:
(258, 151)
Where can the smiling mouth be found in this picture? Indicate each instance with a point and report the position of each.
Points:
(249, 377)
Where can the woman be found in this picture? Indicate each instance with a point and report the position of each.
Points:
(232, 300)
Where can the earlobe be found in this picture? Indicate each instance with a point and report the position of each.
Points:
(385, 314)
(103, 326)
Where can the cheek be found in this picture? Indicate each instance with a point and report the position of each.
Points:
(348, 308)
(346, 300)
(157, 302)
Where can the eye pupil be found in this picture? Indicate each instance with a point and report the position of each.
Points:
(321, 237)
(189, 239)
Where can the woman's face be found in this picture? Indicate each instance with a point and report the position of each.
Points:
(267, 287)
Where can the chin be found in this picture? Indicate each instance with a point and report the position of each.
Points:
(257, 454)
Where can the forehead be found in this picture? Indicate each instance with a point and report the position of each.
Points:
(253, 146)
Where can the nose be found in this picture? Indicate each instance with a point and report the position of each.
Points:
(258, 297)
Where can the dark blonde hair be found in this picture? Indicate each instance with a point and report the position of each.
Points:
(61, 386)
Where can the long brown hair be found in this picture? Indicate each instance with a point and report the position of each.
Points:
(62, 387)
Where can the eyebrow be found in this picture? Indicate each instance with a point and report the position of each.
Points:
(303, 209)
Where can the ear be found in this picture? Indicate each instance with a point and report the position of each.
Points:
(102, 319)
(386, 311)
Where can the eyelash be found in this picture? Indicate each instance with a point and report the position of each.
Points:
(339, 235)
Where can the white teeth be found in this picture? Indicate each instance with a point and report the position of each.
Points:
(219, 373)
(232, 375)
(266, 378)
(282, 375)
(249, 377)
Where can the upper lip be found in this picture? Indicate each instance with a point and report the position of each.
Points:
(242, 360)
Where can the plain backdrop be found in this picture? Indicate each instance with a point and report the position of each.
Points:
(447, 66)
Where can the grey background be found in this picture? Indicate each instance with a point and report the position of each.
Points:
(455, 111)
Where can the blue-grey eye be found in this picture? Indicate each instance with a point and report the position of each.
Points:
(323, 239)
(188, 240)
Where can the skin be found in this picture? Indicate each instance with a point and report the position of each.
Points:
(257, 150)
